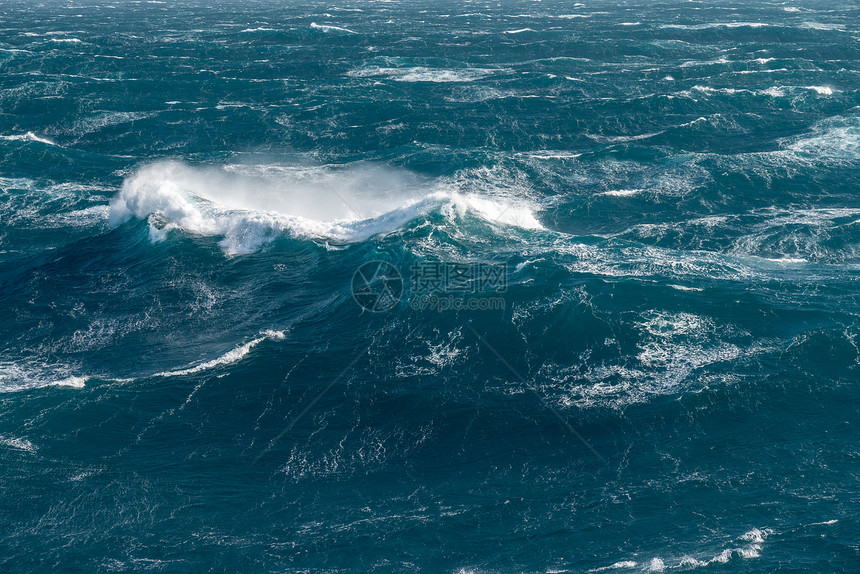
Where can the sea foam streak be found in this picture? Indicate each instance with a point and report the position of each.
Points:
(250, 206)
(29, 136)
(232, 356)
(15, 377)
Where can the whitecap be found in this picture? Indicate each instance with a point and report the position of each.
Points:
(751, 545)
(616, 566)
(327, 28)
(29, 136)
(622, 139)
(249, 206)
(822, 26)
(622, 192)
(18, 443)
(74, 382)
(22, 376)
(423, 74)
(232, 356)
(710, 25)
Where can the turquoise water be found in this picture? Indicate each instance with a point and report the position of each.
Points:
(656, 372)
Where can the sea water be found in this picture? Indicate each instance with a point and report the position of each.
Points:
(417, 286)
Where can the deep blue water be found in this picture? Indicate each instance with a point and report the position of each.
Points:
(665, 378)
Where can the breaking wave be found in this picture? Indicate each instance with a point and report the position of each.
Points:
(249, 206)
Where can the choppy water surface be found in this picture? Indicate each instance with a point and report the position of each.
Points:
(665, 379)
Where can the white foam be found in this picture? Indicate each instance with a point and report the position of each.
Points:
(692, 63)
(29, 136)
(753, 541)
(622, 139)
(16, 377)
(834, 139)
(821, 90)
(106, 119)
(518, 214)
(710, 25)
(520, 31)
(232, 356)
(825, 523)
(551, 154)
(822, 26)
(328, 28)
(685, 288)
(774, 92)
(74, 382)
(675, 353)
(616, 566)
(249, 206)
(18, 443)
(622, 192)
(422, 74)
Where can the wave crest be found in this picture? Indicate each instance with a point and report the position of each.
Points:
(249, 206)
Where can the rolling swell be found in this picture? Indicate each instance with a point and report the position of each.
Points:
(187, 382)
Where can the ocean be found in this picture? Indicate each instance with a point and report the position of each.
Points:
(439, 287)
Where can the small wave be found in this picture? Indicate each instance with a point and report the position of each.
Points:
(622, 139)
(107, 119)
(622, 192)
(684, 287)
(750, 545)
(710, 25)
(822, 26)
(230, 357)
(74, 382)
(616, 566)
(550, 154)
(327, 28)
(423, 74)
(18, 443)
(693, 63)
(520, 31)
(837, 138)
(29, 137)
(15, 377)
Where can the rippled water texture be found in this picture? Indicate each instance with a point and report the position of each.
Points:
(666, 380)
